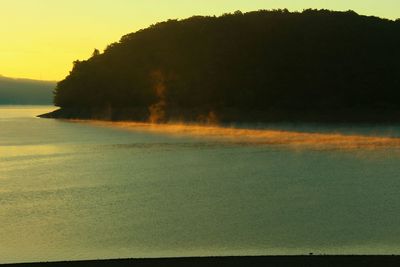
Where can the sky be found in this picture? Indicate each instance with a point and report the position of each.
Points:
(41, 38)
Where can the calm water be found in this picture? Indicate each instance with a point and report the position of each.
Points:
(78, 191)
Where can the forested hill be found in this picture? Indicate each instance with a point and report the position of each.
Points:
(25, 92)
(263, 65)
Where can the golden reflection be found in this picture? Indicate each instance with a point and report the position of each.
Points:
(28, 150)
(261, 136)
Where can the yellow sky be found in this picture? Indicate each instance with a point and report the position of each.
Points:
(41, 38)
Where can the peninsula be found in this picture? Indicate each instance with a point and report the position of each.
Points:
(314, 66)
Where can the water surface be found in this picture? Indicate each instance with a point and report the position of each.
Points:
(82, 191)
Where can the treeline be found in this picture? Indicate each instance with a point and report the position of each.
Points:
(25, 91)
(242, 67)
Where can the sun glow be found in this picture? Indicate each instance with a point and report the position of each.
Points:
(42, 38)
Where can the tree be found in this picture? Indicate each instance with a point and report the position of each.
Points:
(96, 52)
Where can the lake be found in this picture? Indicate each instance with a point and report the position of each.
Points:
(79, 190)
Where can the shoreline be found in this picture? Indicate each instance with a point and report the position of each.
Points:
(340, 116)
(232, 261)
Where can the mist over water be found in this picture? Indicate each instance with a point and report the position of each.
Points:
(87, 190)
(308, 136)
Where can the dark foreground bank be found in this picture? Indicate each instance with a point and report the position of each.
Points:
(233, 261)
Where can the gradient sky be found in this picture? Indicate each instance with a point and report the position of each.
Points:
(41, 38)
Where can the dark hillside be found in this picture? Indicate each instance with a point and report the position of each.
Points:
(263, 65)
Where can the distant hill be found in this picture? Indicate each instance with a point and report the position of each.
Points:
(25, 92)
(317, 65)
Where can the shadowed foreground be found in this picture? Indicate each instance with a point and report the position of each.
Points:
(235, 261)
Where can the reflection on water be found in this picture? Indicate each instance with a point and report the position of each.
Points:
(296, 139)
(82, 190)
(28, 150)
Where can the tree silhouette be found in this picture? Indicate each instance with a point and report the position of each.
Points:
(258, 65)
